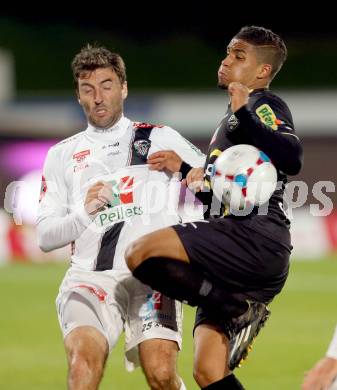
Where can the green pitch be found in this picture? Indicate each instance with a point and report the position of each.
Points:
(31, 351)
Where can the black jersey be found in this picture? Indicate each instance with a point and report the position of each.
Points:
(266, 123)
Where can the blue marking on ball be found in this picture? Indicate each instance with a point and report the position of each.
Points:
(241, 180)
(264, 157)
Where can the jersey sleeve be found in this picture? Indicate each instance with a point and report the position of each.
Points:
(56, 225)
(268, 125)
(170, 139)
(332, 350)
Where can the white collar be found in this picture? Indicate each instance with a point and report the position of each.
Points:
(115, 131)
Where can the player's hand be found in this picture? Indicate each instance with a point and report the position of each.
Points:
(165, 159)
(195, 179)
(97, 198)
(239, 94)
(321, 376)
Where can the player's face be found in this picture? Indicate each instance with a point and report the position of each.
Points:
(240, 65)
(101, 95)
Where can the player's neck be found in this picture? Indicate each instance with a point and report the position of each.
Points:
(259, 85)
(115, 131)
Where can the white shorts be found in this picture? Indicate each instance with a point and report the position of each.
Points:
(113, 301)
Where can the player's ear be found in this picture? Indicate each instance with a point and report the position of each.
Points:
(264, 71)
(125, 90)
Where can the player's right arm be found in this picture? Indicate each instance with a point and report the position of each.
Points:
(268, 125)
(57, 224)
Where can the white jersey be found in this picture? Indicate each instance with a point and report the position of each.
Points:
(143, 200)
(332, 350)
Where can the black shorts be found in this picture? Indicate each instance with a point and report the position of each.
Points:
(231, 253)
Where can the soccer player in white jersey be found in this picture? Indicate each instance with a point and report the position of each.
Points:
(101, 190)
(324, 374)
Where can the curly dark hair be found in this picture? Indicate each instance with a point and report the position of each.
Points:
(270, 47)
(92, 57)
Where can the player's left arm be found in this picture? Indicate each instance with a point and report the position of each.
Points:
(268, 125)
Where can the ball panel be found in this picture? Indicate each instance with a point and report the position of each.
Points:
(245, 176)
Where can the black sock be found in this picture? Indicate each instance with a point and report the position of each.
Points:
(229, 382)
(181, 281)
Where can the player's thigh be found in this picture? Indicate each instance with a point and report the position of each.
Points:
(211, 353)
(94, 300)
(85, 323)
(160, 243)
(158, 355)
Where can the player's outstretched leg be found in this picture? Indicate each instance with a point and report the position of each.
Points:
(159, 260)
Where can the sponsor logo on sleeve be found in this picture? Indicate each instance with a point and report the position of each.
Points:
(268, 117)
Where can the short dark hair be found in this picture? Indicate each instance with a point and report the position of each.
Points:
(270, 47)
(92, 57)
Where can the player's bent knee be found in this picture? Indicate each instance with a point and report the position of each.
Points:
(201, 377)
(87, 351)
(137, 252)
(159, 361)
(82, 358)
(79, 364)
(204, 375)
(161, 377)
(132, 255)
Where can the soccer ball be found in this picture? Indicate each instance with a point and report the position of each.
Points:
(243, 176)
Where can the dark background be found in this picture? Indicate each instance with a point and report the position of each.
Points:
(172, 51)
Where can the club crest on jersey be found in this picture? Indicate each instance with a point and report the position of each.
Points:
(233, 122)
(142, 147)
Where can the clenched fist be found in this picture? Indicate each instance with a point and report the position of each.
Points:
(239, 94)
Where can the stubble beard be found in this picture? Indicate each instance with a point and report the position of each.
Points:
(105, 123)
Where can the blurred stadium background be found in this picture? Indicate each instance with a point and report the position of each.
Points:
(171, 70)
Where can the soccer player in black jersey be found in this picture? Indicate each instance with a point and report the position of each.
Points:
(230, 266)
